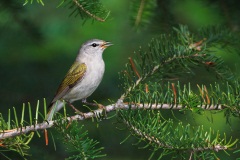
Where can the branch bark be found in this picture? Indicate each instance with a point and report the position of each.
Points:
(109, 108)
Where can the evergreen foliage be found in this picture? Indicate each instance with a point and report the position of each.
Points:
(170, 57)
(77, 141)
(18, 144)
(177, 54)
(73, 134)
(174, 138)
(86, 9)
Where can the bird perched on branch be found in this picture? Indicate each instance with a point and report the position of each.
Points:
(83, 77)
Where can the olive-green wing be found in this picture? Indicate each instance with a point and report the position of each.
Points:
(74, 75)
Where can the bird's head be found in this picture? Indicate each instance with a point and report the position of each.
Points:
(94, 47)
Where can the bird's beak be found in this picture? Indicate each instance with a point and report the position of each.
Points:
(106, 44)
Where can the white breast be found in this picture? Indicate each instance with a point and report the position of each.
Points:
(90, 81)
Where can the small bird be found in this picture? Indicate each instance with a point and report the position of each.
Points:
(83, 77)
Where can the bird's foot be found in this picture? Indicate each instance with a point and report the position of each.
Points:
(100, 106)
(104, 111)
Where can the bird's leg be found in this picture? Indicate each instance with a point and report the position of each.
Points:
(100, 106)
(88, 103)
(75, 109)
(84, 100)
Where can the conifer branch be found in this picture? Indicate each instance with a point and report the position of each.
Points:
(172, 137)
(175, 55)
(153, 139)
(88, 12)
(85, 8)
(96, 113)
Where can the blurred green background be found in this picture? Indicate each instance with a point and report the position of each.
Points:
(38, 44)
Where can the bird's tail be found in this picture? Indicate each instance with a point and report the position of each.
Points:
(53, 108)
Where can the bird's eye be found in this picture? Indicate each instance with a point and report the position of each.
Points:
(94, 45)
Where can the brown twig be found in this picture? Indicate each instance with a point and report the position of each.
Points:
(202, 93)
(146, 88)
(134, 67)
(46, 136)
(174, 93)
(87, 12)
(198, 45)
(207, 97)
